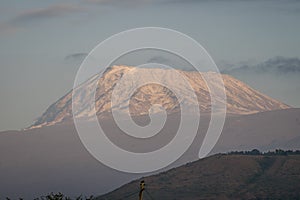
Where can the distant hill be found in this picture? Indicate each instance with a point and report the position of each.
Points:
(52, 158)
(222, 177)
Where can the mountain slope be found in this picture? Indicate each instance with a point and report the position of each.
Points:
(52, 158)
(241, 99)
(223, 177)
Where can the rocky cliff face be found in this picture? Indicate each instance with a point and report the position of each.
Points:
(241, 99)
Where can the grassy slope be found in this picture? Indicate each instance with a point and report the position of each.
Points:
(224, 177)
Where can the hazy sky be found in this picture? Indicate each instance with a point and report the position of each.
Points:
(43, 42)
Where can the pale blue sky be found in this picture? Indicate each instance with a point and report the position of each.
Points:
(37, 36)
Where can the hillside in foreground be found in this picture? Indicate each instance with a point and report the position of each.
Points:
(223, 177)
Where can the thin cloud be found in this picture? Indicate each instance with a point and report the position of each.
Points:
(159, 59)
(38, 14)
(76, 57)
(138, 2)
(44, 13)
(8, 29)
(277, 77)
(122, 3)
(277, 65)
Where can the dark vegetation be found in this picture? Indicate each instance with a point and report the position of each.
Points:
(59, 196)
(269, 153)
